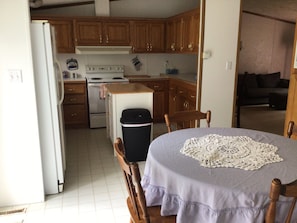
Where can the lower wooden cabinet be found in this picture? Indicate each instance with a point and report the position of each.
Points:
(75, 106)
(160, 97)
(170, 95)
(182, 96)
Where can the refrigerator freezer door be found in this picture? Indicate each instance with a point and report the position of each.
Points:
(48, 107)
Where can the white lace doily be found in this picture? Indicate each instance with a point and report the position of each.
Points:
(230, 151)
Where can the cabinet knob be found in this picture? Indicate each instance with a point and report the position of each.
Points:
(100, 38)
(72, 99)
(73, 114)
(190, 46)
(70, 89)
(107, 39)
(172, 46)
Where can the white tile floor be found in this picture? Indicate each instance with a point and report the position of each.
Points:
(94, 190)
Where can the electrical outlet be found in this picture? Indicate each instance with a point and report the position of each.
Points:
(166, 64)
(15, 76)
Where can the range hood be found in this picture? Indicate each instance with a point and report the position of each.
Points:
(103, 49)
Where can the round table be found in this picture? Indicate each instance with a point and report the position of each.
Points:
(200, 194)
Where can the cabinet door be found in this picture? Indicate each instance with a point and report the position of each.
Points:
(157, 37)
(186, 27)
(140, 37)
(88, 33)
(63, 35)
(116, 33)
(160, 98)
(148, 36)
(172, 98)
(194, 32)
(170, 36)
(181, 100)
(178, 35)
(191, 31)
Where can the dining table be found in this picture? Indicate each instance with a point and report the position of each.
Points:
(218, 175)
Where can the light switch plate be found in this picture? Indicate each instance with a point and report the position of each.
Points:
(15, 76)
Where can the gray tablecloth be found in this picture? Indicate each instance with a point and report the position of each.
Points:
(208, 195)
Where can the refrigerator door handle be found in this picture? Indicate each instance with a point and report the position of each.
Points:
(60, 100)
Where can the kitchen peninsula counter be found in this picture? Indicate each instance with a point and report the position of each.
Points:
(125, 88)
(120, 96)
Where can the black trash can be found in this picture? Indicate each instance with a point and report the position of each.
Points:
(136, 128)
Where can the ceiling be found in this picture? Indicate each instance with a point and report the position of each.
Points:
(279, 9)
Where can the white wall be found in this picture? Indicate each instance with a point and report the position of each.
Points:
(20, 160)
(267, 45)
(221, 38)
(153, 64)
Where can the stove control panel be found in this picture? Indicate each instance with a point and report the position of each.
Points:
(90, 69)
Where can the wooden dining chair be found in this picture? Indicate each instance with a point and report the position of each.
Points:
(277, 189)
(292, 129)
(139, 212)
(186, 119)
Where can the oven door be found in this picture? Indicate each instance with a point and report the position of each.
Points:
(96, 94)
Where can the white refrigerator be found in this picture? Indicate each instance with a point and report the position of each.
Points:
(49, 88)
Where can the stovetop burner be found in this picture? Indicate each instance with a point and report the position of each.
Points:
(105, 73)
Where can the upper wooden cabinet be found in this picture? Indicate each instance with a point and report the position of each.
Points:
(63, 27)
(182, 32)
(148, 36)
(93, 32)
(177, 34)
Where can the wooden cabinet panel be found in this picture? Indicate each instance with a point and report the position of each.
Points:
(172, 96)
(160, 97)
(63, 35)
(75, 105)
(140, 39)
(182, 96)
(183, 32)
(117, 33)
(75, 115)
(148, 36)
(95, 32)
(157, 37)
(74, 88)
(88, 33)
(74, 99)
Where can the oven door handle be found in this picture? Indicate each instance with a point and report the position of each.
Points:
(96, 84)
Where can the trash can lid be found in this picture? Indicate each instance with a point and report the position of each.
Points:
(136, 116)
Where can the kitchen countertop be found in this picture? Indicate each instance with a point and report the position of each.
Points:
(127, 88)
(190, 78)
(75, 80)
